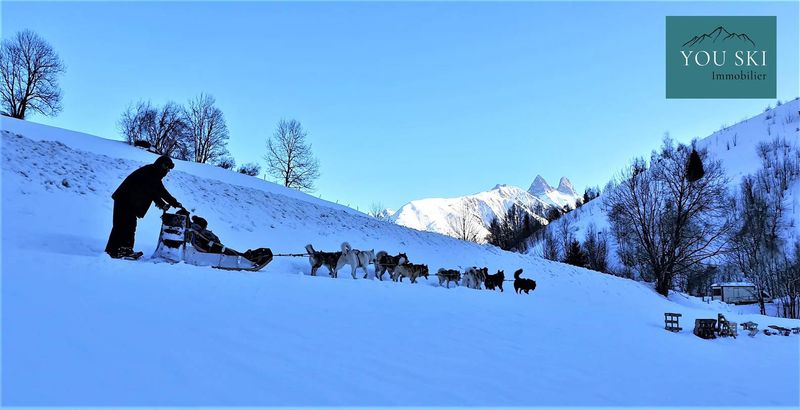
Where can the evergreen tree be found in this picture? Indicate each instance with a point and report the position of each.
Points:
(575, 255)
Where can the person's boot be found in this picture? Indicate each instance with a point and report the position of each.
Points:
(126, 253)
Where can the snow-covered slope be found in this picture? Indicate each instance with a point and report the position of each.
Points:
(735, 147)
(81, 329)
(441, 214)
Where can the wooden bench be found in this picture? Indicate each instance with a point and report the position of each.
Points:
(705, 328)
(671, 322)
(778, 330)
(751, 327)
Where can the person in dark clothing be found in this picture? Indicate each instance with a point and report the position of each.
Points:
(205, 240)
(132, 200)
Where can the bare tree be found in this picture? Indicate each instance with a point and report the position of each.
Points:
(672, 224)
(208, 133)
(465, 222)
(133, 122)
(164, 128)
(251, 169)
(29, 68)
(550, 246)
(595, 247)
(758, 247)
(289, 157)
(564, 231)
(226, 162)
(377, 211)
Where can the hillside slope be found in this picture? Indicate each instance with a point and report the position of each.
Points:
(735, 148)
(82, 329)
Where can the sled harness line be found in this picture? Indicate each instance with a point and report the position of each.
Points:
(290, 254)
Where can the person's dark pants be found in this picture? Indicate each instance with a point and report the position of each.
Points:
(123, 233)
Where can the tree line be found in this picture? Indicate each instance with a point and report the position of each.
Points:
(197, 131)
(686, 234)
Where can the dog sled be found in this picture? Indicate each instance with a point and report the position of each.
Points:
(175, 245)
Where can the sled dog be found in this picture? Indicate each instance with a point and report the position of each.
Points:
(385, 262)
(411, 271)
(355, 258)
(317, 259)
(474, 276)
(495, 281)
(523, 284)
(448, 275)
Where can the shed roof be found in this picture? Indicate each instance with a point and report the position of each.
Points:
(730, 284)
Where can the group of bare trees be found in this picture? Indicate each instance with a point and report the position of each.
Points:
(29, 71)
(666, 225)
(688, 234)
(512, 230)
(558, 243)
(758, 246)
(196, 132)
(466, 222)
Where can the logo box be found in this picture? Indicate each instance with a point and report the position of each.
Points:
(721, 57)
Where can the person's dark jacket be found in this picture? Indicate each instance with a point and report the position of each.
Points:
(143, 187)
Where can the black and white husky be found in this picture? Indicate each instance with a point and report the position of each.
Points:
(355, 258)
(474, 277)
(319, 258)
(385, 262)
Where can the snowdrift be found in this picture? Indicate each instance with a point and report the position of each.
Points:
(81, 329)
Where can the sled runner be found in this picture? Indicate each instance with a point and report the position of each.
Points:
(175, 245)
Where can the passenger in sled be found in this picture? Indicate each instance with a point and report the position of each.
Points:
(204, 240)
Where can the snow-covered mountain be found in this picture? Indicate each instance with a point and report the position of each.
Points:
(735, 147)
(80, 329)
(442, 214)
(562, 196)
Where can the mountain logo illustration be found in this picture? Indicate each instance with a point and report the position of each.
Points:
(719, 34)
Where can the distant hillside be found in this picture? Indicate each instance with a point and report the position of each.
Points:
(735, 147)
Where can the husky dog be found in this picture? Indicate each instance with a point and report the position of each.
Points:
(385, 262)
(523, 284)
(469, 279)
(448, 275)
(411, 271)
(474, 276)
(496, 280)
(317, 259)
(355, 258)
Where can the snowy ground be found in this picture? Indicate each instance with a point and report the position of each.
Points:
(81, 329)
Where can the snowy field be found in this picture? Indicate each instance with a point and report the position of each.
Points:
(81, 329)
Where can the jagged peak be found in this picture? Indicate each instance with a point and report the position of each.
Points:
(565, 186)
(539, 186)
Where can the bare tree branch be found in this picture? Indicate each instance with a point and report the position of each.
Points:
(29, 68)
(289, 157)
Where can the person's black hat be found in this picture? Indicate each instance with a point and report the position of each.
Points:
(200, 221)
(164, 162)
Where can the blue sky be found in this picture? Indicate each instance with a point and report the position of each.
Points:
(402, 100)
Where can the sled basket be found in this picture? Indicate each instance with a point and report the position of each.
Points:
(174, 245)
